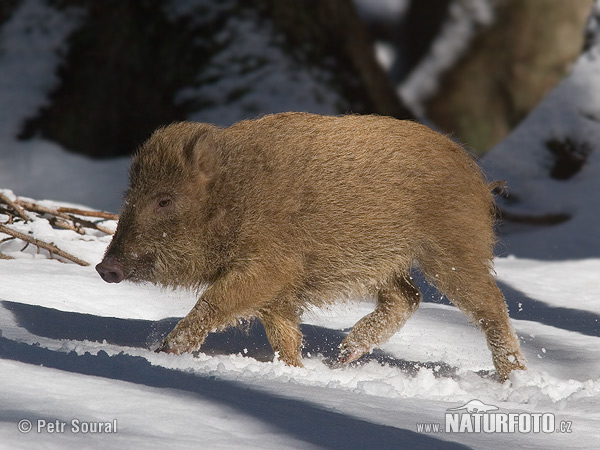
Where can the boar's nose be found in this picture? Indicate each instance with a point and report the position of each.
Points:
(111, 270)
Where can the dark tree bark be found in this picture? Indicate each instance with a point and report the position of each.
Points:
(127, 62)
(333, 28)
(417, 31)
(6, 9)
(119, 79)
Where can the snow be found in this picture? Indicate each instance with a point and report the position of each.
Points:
(75, 348)
(527, 277)
(570, 112)
(83, 350)
(251, 55)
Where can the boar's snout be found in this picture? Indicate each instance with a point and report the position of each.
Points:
(111, 270)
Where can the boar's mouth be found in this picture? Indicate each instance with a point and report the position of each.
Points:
(112, 270)
(142, 269)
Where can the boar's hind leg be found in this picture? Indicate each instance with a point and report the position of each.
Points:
(473, 289)
(282, 326)
(397, 300)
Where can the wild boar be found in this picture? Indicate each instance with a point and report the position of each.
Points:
(296, 209)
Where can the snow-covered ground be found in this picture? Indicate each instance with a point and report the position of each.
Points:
(76, 348)
(73, 348)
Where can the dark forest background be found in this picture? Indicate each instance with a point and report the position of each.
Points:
(128, 63)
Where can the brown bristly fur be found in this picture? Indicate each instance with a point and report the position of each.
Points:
(297, 209)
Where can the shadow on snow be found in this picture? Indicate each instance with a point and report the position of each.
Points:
(248, 339)
(301, 419)
(298, 418)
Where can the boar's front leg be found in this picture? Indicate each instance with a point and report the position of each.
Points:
(234, 295)
(191, 331)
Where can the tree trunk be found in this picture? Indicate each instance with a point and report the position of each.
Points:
(508, 70)
(333, 29)
(130, 61)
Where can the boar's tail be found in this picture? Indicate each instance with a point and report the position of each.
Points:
(498, 187)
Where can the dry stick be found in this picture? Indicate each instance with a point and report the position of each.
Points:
(61, 213)
(3, 256)
(7, 212)
(83, 212)
(41, 209)
(59, 220)
(45, 245)
(16, 208)
(88, 224)
(62, 223)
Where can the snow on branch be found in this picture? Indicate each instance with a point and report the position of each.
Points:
(53, 249)
(15, 211)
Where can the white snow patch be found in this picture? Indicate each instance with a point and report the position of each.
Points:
(571, 112)
(74, 347)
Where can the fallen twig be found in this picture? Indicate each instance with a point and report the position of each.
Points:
(89, 224)
(53, 249)
(61, 223)
(60, 217)
(530, 219)
(83, 212)
(68, 214)
(18, 211)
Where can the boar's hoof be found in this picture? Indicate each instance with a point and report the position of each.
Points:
(111, 270)
(349, 353)
(164, 347)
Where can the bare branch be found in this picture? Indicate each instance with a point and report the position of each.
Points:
(61, 223)
(53, 249)
(88, 224)
(12, 205)
(68, 214)
(34, 207)
(83, 212)
(62, 217)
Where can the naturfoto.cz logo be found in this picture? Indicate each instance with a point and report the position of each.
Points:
(478, 417)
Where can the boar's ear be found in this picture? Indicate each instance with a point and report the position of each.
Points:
(199, 151)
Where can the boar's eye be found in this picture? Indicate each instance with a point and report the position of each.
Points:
(164, 202)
